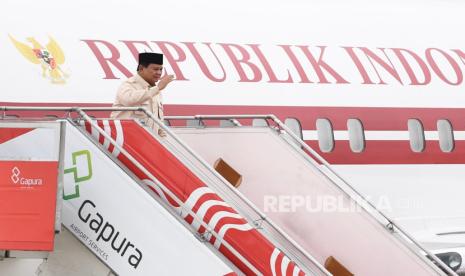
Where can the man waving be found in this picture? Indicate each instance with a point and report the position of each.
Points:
(143, 90)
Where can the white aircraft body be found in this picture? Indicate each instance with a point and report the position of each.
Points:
(385, 79)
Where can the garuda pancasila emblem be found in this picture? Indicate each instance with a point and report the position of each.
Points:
(49, 57)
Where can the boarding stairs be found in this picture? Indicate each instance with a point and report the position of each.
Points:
(304, 195)
(118, 174)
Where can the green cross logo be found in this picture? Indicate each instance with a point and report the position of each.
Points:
(74, 170)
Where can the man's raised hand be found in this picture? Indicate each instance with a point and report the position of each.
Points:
(164, 81)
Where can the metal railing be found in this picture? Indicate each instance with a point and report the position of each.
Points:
(81, 111)
(333, 176)
(263, 218)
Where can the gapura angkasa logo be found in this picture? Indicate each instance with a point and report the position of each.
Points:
(49, 57)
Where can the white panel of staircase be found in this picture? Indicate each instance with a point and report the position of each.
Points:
(42, 143)
(166, 246)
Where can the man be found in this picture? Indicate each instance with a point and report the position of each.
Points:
(141, 90)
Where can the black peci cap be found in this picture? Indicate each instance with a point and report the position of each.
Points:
(149, 58)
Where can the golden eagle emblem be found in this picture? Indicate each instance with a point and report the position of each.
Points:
(50, 58)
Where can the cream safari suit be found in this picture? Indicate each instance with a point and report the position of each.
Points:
(135, 91)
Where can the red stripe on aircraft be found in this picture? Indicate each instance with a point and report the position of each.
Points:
(372, 118)
(391, 152)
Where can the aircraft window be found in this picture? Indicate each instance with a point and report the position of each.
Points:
(446, 135)
(325, 135)
(356, 135)
(226, 123)
(259, 123)
(416, 134)
(194, 123)
(295, 126)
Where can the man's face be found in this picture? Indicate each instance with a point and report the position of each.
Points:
(151, 73)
